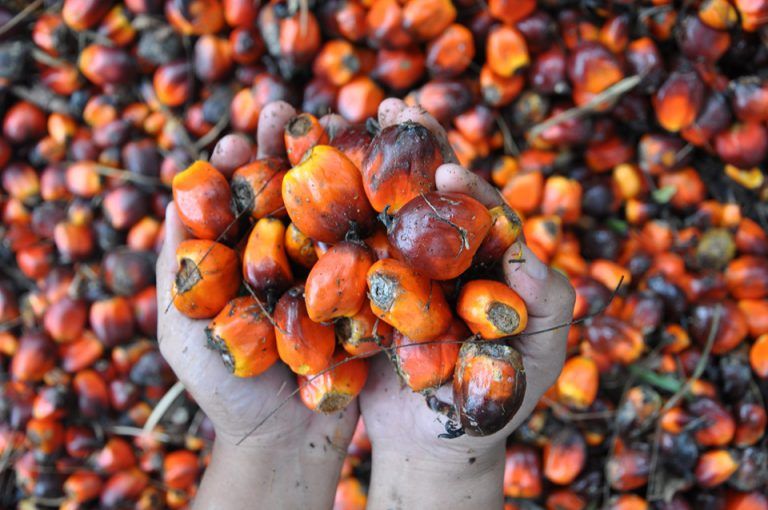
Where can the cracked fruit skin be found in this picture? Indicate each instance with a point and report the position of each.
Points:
(244, 337)
(488, 386)
(399, 164)
(305, 346)
(202, 197)
(438, 234)
(407, 300)
(332, 391)
(429, 366)
(324, 196)
(207, 278)
(492, 309)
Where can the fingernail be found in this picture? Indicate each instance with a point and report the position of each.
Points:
(532, 266)
(514, 252)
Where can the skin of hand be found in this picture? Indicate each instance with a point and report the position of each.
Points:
(412, 467)
(294, 459)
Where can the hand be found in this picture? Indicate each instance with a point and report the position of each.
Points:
(410, 461)
(294, 458)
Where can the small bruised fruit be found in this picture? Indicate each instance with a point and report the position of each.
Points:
(407, 300)
(506, 227)
(305, 346)
(427, 365)
(300, 248)
(324, 196)
(336, 284)
(301, 134)
(400, 163)
(207, 278)
(488, 386)
(492, 309)
(202, 197)
(265, 264)
(363, 334)
(244, 337)
(438, 234)
(256, 188)
(333, 390)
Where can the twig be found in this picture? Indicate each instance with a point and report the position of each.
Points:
(124, 430)
(214, 132)
(43, 98)
(49, 60)
(127, 175)
(571, 416)
(609, 94)
(510, 147)
(21, 16)
(162, 407)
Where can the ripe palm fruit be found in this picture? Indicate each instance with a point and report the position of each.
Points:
(438, 234)
(400, 163)
(244, 337)
(488, 386)
(300, 248)
(256, 188)
(407, 300)
(301, 134)
(202, 197)
(492, 309)
(336, 284)
(305, 346)
(207, 278)
(333, 390)
(324, 196)
(505, 229)
(265, 264)
(363, 334)
(427, 365)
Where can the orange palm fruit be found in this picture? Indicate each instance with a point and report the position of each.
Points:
(565, 455)
(305, 346)
(488, 386)
(350, 495)
(427, 19)
(336, 285)
(256, 188)
(202, 197)
(578, 382)
(82, 486)
(451, 52)
(506, 51)
(407, 300)
(300, 248)
(491, 309)
(438, 234)
(324, 196)
(207, 278)
(522, 472)
(124, 485)
(380, 245)
(628, 468)
(715, 467)
(353, 141)
(333, 390)
(359, 99)
(45, 435)
(301, 134)
(747, 277)
(244, 337)
(399, 164)
(506, 227)
(195, 17)
(427, 365)
(363, 334)
(265, 264)
(180, 469)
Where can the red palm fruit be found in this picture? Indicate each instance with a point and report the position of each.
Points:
(21, 182)
(64, 320)
(400, 163)
(124, 206)
(337, 62)
(427, 19)
(125, 485)
(628, 468)
(524, 190)
(104, 65)
(715, 467)
(506, 51)
(564, 456)
(754, 500)
(299, 37)
(117, 26)
(379, 243)
(256, 188)
(385, 25)
(244, 337)
(363, 334)
(305, 346)
(45, 435)
(562, 197)
(506, 227)
(82, 14)
(592, 69)
(752, 13)
(491, 309)
(750, 99)
(112, 320)
(614, 338)
(698, 41)
(180, 469)
(627, 502)
(718, 425)
(9, 305)
(265, 264)
(247, 45)
(718, 14)
(751, 423)
(212, 58)
(690, 190)
(732, 328)
(245, 110)
(444, 99)
(80, 441)
(353, 141)
(145, 310)
(240, 13)
(336, 285)
(427, 365)
(678, 101)
(83, 179)
(126, 272)
(438, 234)
(743, 145)
(144, 234)
(399, 69)
(359, 99)
(758, 356)
(195, 17)
(35, 356)
(202, 197)
(74, 241)
(522, 472)
(82, 486)
(511, 11)
(488, 386)
(24, 122)
(80, 353)
(407, 301)
(578, 383)
(207, 278)
(750, 238)
(565, 499)
(333, 390)
(350, 495)
(301, 134)
(299, 248)
(747, 277)
(339, 207)
(451, 53)
(756, 313)
(92, 393)
(171, 83)
(116, 455)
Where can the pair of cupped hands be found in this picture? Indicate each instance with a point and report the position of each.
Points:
(293, 459)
